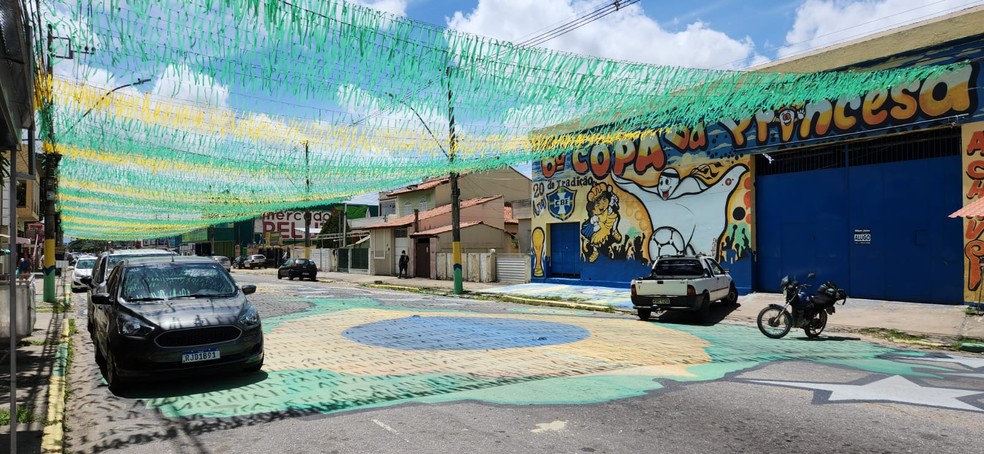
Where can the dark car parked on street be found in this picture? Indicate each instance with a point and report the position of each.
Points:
(174, 316)
(299, 268)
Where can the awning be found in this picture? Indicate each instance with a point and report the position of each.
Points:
(20, 240)
(973, 210)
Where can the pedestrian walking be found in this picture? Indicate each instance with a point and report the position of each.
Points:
(404, 262)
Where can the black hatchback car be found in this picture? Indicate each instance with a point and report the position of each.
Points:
(299, 268)
(171, 316)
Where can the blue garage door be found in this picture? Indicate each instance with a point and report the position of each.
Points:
(870, 216)
(565, 250)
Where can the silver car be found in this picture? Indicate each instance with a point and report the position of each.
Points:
(224, 261)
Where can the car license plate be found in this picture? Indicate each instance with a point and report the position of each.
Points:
(199, 355)
(661, 301)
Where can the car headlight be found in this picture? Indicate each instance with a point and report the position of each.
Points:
(133, 326)
(249, 317)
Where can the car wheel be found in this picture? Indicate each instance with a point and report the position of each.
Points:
(644, 314)
(100, 360)
(279, 276)
(116, 383)
(732, 298)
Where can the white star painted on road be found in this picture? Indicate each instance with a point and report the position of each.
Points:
(973, 363)
(891, 389)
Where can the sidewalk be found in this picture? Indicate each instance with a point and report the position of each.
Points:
(40, 365)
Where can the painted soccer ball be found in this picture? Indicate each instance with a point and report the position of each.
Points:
(667, 241)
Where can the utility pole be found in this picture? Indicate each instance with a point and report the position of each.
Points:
(50, 169)
(455, 196)
(307, 211)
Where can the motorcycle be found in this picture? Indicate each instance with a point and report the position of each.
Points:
(800, 310)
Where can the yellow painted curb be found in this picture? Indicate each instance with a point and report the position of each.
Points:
(54, 430)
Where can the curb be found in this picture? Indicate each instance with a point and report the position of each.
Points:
(975, 347)
(53, 437)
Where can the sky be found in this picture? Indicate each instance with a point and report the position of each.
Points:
(713, 34)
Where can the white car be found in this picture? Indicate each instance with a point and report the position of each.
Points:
(83, 268)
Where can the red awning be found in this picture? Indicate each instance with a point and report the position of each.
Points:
(973, 210)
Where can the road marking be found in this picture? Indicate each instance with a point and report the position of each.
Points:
(555, 426)
(890, 389)
(388, 429)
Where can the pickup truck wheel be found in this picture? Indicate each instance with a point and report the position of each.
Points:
(644, 314)
(732, 298)
(705, 309)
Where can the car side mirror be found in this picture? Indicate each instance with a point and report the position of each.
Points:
(100, 298)
(249, 289)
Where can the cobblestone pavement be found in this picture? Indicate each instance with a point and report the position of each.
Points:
(333, 348)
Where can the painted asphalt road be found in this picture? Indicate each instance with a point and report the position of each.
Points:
(375, 371)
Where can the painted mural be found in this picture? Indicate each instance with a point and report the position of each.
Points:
(690, 190)
(972, 140)
(659, 195)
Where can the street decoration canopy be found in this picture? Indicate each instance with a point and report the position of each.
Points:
(265, 105)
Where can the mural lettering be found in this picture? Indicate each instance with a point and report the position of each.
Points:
(949, 94)
(973, 227)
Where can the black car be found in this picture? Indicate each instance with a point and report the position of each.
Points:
(174, 316)
(299, 268)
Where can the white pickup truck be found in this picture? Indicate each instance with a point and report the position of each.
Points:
(683, 282)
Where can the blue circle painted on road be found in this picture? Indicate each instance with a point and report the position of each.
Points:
(463, 333)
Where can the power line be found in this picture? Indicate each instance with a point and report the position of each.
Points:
(613, 7)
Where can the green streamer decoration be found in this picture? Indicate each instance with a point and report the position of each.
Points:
(239, 87)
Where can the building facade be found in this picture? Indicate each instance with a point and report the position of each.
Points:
(856, 190)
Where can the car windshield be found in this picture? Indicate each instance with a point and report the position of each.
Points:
(169, 281)
(85, 264)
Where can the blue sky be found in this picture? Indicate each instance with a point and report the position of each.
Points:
(725, 34)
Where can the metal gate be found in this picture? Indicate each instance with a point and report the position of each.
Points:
(565, 250)
(870, 216)
(343, 260)
(512, 267)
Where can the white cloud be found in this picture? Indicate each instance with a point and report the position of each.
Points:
(821, 23)
(179, 82)
(625, 35)
(397, 7)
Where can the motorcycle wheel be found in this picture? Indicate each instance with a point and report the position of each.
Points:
(774, 323)
(817, 324)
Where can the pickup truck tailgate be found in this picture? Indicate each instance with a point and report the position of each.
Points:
(661, 287)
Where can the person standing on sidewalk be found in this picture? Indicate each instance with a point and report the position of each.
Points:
(23, 267)
(404, 262)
